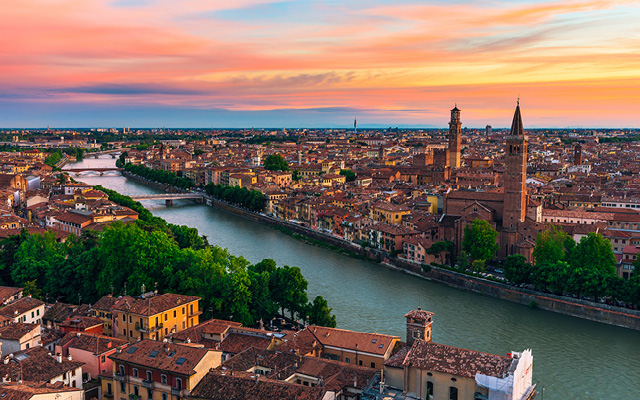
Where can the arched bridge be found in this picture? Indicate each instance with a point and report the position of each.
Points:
(170, 197)
(101, 171)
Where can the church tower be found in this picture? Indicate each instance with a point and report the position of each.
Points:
(515, 181)
(419, 323)
(577, 155)
(455, 138)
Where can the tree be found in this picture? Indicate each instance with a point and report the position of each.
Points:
(593, 257)
(275, 162)
(289, 290)
(479, 240)
(295, 175)
(348, 174)
(320, 313)
(550, 245)
(517, 270)
(440, 248)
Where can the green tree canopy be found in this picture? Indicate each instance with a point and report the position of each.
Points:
(348, 174)
(275, 162)
(320, 313)
(550, 245)
(517, 270)
(479, 240)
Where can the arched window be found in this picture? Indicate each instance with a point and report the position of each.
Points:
(429, 395)
(453, 393)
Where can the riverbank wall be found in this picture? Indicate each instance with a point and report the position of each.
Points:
(574, 307)
(584, 309)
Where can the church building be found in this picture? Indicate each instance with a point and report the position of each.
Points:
(508, 209)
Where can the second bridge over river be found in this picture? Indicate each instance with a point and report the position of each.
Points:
(170, 197)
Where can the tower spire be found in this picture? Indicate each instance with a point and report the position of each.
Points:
(517, 128)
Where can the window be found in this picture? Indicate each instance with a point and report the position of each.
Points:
(163, 379)
(429, 390)
(124, 332)
(347, 360)
(109, 388)
(130, 319)
(149, 376)
(166, 316)
(124, 318)
(73, 373)
(373, 365)
(182, 310)
(164, 396)
(149, 394)
(123, 387)
(178, 383)
(136, 391)
(135, 372)
(175, 313)
(453, 393)
(130, 333)
(122, 370)
(102, 359)
(64, 376)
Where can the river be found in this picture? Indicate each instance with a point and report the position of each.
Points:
(573, 358)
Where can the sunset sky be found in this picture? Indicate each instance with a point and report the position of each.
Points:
(310, 63)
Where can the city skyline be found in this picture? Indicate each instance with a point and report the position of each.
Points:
(262, 63)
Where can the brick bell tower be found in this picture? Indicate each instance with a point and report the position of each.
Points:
(419, 323)
(515, 182)
(455, 138)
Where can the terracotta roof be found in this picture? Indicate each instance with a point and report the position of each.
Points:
(26, 390)
(155, 304)
(58, 312)
(235, 343)
(17, 331)
(455, 361)
(221, 385)
(21, 305)
(177, 358)
(419, 314)
(336, 375)
(106, 303)
(80, 322)
(8, 291)
(37, 365)
(374, 343)
(195, 333)
(91, 342)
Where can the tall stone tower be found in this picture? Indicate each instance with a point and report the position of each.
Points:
(515, 182)
(419, 323)
(455, 138)
(577, 155)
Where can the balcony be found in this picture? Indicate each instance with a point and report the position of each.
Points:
(147, 384)
(118, 377)
(176, 392)
(193, 314)
(146, 329)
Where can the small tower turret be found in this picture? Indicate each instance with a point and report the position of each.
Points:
(419, 324)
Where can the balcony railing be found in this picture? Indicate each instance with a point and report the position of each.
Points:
(146, 329)
(176, 392)
(119, 377)
(147, 384)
